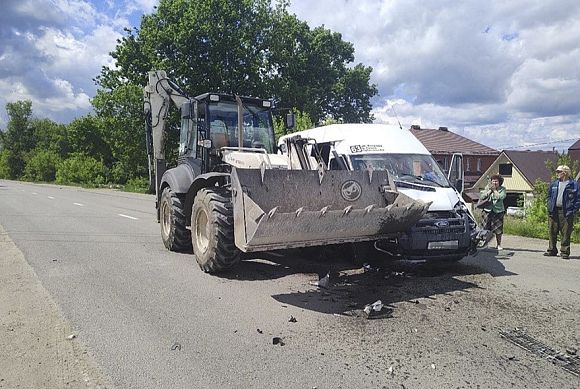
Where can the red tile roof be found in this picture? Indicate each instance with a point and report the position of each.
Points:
(575, 146)
(443, 141)
(532, 164)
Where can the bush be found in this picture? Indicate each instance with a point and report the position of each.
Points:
(41, 166)
(138, 185)
(4, 166)
(81, 169)
(11, 165)
(119, 173)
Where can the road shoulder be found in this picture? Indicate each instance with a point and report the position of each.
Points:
(38, 346)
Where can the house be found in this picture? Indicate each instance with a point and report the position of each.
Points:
(520, 170)
(442, 144)
(574, 152)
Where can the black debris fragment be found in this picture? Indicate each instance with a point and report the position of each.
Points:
(277, 340)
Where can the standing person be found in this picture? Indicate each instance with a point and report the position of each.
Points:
(563, 202)
(494, 210)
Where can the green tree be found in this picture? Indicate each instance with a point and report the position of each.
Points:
(50, 136)
(563, 159)
(302, 121)
(18, 138)
(309, 71)
(122, 127)
(246, 47)
(85, 135)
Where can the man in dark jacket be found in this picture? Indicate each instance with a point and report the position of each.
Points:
(563, 202)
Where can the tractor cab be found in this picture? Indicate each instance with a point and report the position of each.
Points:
(212, 121)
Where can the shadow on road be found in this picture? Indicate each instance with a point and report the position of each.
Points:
(352, 286)
(348, 295)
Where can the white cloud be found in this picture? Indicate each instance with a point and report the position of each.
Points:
(502, 73)
(51, 51)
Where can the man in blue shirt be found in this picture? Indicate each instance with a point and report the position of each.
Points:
(563, 202)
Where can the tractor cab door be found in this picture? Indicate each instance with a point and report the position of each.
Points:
(189, 151)
(188, 131)
(456, 175)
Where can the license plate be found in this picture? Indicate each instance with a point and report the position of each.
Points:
(444, 245)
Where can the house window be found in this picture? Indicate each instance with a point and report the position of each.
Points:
(467, 164)
(505, 169)
(478, 164)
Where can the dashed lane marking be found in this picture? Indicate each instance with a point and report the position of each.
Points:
(128, 217)
(79, 204)
(50, 197)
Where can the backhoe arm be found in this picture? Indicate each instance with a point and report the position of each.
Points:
(159, 94)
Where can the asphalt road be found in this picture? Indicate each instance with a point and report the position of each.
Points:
(151, 319)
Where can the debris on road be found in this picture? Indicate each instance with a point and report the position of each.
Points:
(259, 331)
(292, 319)
(277, 340)
(176, 347)
(376, 306)
(368, 268)
(71, 336)
(323, 282)
(570, 363)
(375, 310)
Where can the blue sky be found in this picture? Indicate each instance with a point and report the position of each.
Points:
(505, 74)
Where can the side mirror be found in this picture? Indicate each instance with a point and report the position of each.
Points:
(290, 120)
(206, 143)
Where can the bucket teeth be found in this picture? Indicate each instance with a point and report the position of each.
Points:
(320, 169)
(323, 211)
(369, 208)
(262, 171)
(299, 211)
(347, 210)
(272, 212)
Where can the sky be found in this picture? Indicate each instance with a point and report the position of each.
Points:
(503, 73)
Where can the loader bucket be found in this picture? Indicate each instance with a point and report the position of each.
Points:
(279, 209)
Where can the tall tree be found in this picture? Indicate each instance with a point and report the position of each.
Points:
(18, 139)
(122, 127)
(247, 47)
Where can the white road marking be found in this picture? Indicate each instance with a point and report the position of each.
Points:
(50, 197)
(79, 204)
(34, 193)
(128, 217)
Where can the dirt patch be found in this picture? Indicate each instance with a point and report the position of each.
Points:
(39, 348)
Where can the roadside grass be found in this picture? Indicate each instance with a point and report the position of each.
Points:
(522, 227)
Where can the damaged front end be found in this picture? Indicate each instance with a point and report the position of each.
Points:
(439, 235)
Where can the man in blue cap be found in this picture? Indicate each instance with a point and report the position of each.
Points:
(563, 202)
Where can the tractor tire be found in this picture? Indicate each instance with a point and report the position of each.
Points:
(175, 235)
(212, 230)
